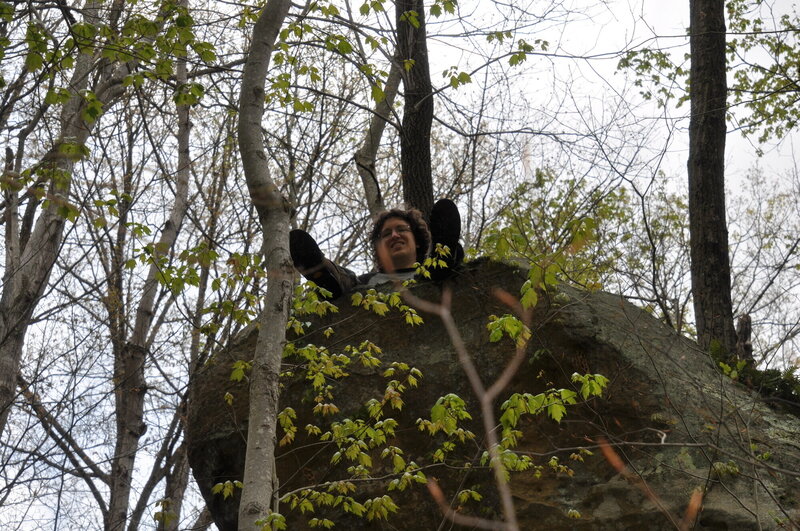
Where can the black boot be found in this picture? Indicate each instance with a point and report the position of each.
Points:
(312, 264)
(445, 230)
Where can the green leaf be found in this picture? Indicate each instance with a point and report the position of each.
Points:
(412, 17)
(93, 107)
(34, 61)
(438, 413)
(6, 11)
(357, 298)
(189, 94)
(344, 47)
(556, 411)
(73, 151)
(239, 369)
(529, 298)
(377, 94)
(56, 96)
(68, 211)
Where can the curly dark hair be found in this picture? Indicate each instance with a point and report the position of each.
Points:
(422, 235)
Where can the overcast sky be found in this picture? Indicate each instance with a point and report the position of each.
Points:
(671, 18)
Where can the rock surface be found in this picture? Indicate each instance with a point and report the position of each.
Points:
(676, 424)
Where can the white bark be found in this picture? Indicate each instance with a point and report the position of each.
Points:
(274, 216)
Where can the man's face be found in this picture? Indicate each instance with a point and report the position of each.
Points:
(397, 247)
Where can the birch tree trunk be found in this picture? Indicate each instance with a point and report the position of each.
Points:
(273, 214)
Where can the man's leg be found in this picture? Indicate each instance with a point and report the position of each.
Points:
(312, 264)
(446, 230)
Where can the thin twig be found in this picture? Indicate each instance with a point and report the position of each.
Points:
(485, 397)
(458, 518)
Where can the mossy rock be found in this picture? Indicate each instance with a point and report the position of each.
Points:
(668, 414)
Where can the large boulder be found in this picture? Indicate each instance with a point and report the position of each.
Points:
(668, 428)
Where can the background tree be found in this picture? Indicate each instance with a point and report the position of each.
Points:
(121, 183)
(32, 246)
(760, 43)
(762, 54)
(708, 227)
(415, 135)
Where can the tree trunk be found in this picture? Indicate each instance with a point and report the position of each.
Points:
(415, 135)
(177, 481)
(273, 212)
(711, 272)
(129, 393)
(30, 254)
(130, 357)
(365, 156)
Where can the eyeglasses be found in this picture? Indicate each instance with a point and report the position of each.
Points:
(399, 229)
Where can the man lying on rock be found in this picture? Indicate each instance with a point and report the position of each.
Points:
(399, 239)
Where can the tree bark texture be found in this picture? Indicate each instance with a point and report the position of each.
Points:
(273, 213)
(175, 489)
(711, 277)
(415, 134)
(365, 156)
